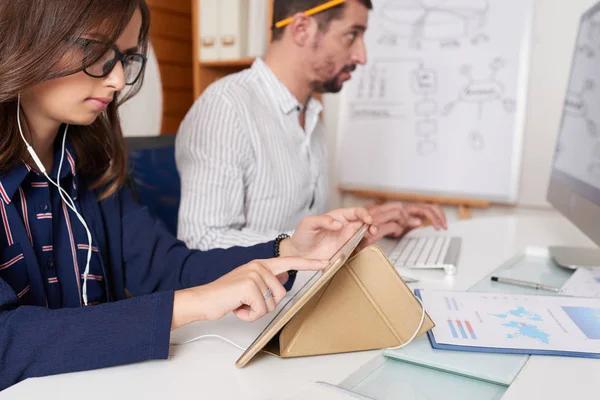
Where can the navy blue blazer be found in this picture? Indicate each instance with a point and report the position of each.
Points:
(138, 254)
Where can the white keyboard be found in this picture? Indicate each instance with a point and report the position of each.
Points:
(429, 252)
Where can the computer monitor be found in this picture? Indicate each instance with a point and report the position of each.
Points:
(574, 187)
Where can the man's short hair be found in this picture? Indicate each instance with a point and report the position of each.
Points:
(283, 9)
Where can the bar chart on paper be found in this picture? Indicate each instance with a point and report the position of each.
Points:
(464, 328)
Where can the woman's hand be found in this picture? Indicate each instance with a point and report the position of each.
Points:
(249, 291)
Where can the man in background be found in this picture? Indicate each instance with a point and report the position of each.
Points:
(251, 152)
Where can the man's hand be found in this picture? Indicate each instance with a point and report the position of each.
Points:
(319, 237)
(395, 219)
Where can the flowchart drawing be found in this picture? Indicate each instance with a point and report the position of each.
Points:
(481, 93)
(424, 83)
(375, 97)
(433, 20)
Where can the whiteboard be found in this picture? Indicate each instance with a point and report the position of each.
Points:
(440, 107)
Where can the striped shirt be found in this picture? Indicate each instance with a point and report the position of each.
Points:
(56, 236)
(248, 169)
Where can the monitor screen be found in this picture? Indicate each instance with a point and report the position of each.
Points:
(575, 182)
(577, 157)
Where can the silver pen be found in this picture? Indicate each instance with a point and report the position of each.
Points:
(532, 285)
(408, 279)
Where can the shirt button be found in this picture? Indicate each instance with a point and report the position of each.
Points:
(50, 264)
(44, 207)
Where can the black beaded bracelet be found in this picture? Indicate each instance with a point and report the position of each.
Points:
(278, 242)
(291, 273)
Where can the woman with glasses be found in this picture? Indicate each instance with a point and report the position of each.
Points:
(73, 241)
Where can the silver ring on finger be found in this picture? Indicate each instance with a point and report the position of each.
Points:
(268, 294)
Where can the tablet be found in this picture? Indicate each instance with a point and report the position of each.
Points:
(302, 296)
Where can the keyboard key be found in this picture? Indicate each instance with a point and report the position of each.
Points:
(397, 250)
(425, 252)
(412, 260)
(435, 252)
(442, 254)
(407, 251)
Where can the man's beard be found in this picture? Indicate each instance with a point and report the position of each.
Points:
(334, 85)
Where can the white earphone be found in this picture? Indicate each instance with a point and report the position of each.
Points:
(63, 194)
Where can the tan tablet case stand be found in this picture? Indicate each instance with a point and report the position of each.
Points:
(365, 306)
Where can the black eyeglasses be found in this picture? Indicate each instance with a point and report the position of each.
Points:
(133, 63)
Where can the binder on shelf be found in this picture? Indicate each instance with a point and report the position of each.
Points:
(210, 43)
(257, 27)
(233, 26)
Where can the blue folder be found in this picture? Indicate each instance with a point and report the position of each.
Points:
(453, 347)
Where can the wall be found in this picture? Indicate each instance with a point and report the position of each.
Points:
(555, 29)
(171, 38)
(142, 115)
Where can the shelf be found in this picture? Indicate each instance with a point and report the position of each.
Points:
(244, 62)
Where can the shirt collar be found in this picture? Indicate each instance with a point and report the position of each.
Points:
(68, 166)
(281, 93)
(12, 180)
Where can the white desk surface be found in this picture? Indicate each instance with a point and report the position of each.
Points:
(205, 369)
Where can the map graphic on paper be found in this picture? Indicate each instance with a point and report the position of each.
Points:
(520, 312)
(522, 324)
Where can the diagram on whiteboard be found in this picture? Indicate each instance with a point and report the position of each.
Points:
(480, 93)
(425, 86)
(441, 99)
(380, 94)
(444, 21)
(377, 95)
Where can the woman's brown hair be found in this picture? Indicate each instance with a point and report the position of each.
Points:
(37, 41)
